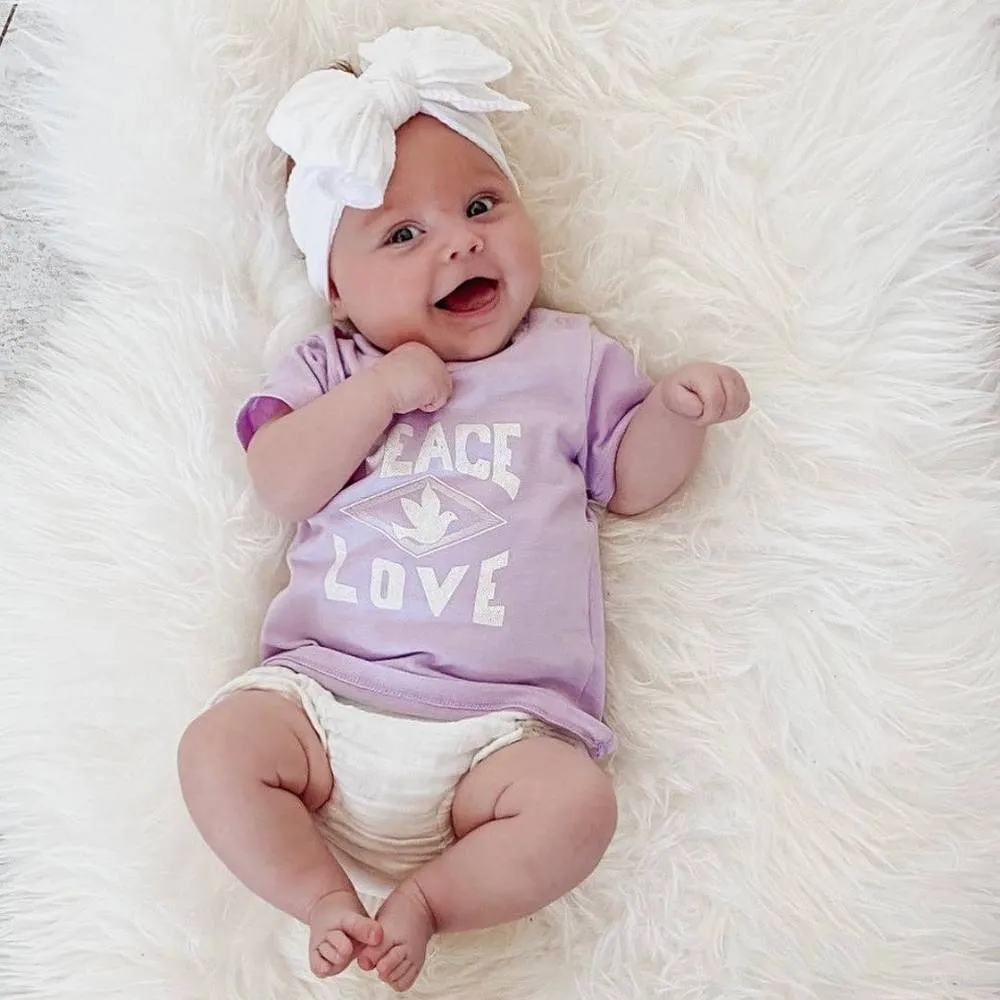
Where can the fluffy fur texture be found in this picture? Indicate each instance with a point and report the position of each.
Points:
(804, 655)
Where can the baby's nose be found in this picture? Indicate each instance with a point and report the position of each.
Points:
(465, 242)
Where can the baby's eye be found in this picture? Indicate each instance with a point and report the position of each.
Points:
(480, 205)
(403, 235)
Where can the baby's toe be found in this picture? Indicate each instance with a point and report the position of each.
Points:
(404, 977)
(390, 963)
(319, 966)
(363, 929)
(338, 950)
(368, 959)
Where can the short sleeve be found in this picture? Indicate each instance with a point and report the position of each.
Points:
(615, 388)
(301, 375)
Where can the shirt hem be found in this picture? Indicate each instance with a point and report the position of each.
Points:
(597, 748)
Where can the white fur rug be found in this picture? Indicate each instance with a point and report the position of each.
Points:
(805, 649)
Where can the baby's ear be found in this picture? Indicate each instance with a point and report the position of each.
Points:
(337, 309)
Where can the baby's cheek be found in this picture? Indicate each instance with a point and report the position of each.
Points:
(374, 297)
(526, 241)
(528, 259)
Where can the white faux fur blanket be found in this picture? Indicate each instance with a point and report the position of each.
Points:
(804, 649)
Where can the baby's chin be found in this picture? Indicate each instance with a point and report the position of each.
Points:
(471, 352)
(450, 345)
(474, 344)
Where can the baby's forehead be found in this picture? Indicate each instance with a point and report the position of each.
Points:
(435, 168)
(429, 155)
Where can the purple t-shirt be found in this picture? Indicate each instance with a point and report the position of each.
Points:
(458, 573)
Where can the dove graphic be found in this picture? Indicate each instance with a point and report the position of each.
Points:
(428, 524)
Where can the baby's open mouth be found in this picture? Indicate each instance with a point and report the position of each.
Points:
(470, 296)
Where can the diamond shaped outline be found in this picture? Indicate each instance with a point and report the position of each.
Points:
(416, 485)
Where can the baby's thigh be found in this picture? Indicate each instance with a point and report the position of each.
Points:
(256, 736)
(541, 776)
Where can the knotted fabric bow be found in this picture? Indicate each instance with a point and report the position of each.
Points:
(340, 129)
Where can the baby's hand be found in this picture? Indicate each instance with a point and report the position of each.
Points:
(416, 378)
(706, 393)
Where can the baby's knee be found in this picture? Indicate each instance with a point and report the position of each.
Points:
(254, 737)
(599, 805)
(222, 743)
(203, 756)
(587, 805)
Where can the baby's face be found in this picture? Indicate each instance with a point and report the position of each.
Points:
(450, 260)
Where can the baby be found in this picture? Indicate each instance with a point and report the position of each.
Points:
(430, 698)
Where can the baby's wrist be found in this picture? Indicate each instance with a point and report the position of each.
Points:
(382, 388)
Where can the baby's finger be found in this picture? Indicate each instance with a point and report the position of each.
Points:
(434, 405)
(440, 394)
(737, 396)
(713, 394)
(683, 400)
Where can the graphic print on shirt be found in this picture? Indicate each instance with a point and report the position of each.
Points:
(427, 515)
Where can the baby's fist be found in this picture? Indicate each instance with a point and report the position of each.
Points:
(415, 378)
(706, 393)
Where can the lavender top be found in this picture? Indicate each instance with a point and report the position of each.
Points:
(457, 573)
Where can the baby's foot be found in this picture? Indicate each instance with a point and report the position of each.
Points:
(407, 924)
(338, 926)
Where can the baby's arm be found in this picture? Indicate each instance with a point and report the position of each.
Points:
(302, 458)
(664, 441)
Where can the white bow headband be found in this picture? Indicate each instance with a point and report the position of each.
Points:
(340, 129)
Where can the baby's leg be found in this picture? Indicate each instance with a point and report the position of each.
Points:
(533, 820)
(252, 771)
